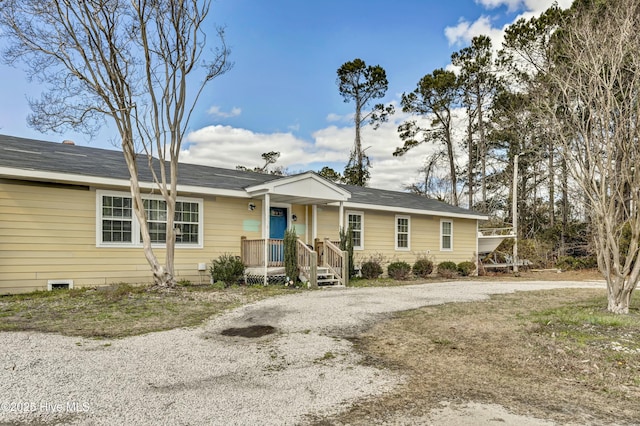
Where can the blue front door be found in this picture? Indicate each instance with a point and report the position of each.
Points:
(277, 226)
(277, 222)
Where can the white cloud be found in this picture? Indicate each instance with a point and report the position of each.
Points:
(492, 4)
(215, 111)
(226, 146)
(462, 33)
(532, 6)
(333, 118)
(539, 6)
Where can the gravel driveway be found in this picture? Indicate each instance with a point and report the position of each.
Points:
(199, 376)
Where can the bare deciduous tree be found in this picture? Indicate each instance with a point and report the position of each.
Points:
(594, 98)
(130, 61)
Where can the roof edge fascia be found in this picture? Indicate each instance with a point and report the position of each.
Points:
(44, 176)
(379, 207)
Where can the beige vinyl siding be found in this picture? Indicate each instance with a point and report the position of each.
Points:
(379, 239)
(328, 223)
(300, 224)
(49, 233)
(223, 224)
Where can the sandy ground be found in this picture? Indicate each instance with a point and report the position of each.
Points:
(306, 367)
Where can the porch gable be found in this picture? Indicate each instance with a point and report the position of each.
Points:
(304, 189)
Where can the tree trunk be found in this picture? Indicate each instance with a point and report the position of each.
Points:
(168, 279)
(483, 148)
(565, 207)
(619, 295)
(552, 192)
(452, 166)
(470, 176)
(358, 146)
(161, 276)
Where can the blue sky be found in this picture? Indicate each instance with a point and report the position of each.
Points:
(281, 94)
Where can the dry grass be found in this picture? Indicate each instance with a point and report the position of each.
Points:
(122, 310)
(551, 354)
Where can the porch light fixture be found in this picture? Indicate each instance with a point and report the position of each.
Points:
(294, 218)
(252, 207)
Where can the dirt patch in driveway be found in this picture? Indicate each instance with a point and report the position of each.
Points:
(523, 351)
(251, 331)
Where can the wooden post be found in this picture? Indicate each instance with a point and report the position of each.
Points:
(317, 247)
(266, 213)
(345, 268)
(313, 278)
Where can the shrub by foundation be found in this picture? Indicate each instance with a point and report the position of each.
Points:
(447, 269)
(422, 268)
(399, 270)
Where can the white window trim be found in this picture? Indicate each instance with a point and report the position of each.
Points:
(361, 214)
(408, 248)
(135, 225)
(450, 235)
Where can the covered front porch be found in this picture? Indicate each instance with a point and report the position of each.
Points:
(321, 264)
(320, 260)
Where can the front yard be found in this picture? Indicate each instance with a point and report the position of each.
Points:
(122, 310)
(553, 354)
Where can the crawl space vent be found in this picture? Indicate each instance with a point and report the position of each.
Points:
(59, 284)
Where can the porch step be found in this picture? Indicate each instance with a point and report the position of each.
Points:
(328, 281)
(326, 278)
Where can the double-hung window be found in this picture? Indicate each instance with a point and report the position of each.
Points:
(403, 233)
(446, 235)
(117, 219)
(118, 226)
(187, 219)
(356, 223)
(156, 219)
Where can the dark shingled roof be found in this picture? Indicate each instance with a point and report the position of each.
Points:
(30, 154)
(407, 200)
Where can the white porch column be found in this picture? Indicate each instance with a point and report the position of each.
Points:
(266, 211)
(341, 219)
(306, 224)
(314, 219)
